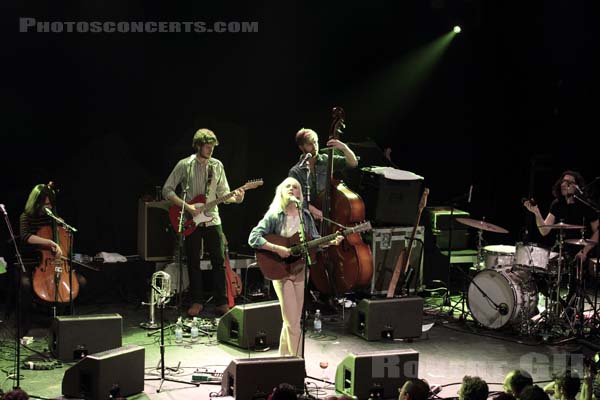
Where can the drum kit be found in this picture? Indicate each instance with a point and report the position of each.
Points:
(505, 290)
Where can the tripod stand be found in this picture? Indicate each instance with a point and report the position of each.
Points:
(161, 300)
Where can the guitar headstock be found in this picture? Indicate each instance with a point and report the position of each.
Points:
(363, 227)
(423, 201)
(253, 184)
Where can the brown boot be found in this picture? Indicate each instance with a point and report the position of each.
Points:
(222, 309)
(195, 310)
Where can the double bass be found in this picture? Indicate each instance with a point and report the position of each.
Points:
(53, 279)
(340, 269)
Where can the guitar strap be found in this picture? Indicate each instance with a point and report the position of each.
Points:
(209, 178)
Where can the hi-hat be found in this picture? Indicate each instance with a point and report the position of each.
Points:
(561, 225)
(580, 242)
(484, 226)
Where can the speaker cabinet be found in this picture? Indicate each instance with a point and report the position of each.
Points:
(387, 319)
(110, 374)
(72, 335)
(376, 374)
(250, 378)
(391, 202)
(156, 236)
(251, 325)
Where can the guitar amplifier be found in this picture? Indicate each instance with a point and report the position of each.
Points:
(156, 237)
(386, 245)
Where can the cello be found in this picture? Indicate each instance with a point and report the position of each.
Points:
(342, 268)
(53, 279)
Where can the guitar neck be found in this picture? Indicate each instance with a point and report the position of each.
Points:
(221, 199)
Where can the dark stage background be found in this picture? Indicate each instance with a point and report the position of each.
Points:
(106, 116)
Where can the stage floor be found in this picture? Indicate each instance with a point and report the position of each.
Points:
(451, 349)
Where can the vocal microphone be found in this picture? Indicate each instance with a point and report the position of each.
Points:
(49, 212)
(578, 189)
(305, 158)
(503, 308)
(3, 209)
(470, 193)
(294, 200)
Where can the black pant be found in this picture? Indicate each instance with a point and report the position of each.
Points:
(213, 244)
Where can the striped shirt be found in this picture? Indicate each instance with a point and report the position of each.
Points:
(208, 179)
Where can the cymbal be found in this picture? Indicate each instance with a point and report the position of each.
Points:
(561, 225)
(580, 242)
(484, 226)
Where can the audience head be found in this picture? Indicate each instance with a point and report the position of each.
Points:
(414, 389)
(516, 381)
(473, 388)
(566, 385)
(504, 396)
(16, 394)
(284, 391)
(532, 392)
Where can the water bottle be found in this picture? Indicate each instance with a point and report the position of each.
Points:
(194, 330)
(318, 323)
(179, 331)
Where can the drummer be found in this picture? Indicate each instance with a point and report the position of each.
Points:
(567, 209)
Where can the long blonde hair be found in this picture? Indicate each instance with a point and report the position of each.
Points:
(280, 201)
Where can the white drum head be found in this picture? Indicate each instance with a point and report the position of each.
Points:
(495, 285)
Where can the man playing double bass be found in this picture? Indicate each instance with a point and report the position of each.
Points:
(311, 169)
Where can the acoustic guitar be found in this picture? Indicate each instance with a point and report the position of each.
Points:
(274, 267)
(403, 268)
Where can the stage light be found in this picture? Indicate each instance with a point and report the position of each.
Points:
(456, 29)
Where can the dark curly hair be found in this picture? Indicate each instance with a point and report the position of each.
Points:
(473, 388)
(578, 180)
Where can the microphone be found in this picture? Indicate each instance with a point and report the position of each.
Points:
(470, 193)
(294, 200)
(305, 158)
(3, 209)
(578, 189)
(48, 211)
(503, 308)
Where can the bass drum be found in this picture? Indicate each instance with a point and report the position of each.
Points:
(515, 293)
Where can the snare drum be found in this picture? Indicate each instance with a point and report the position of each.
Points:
(513, 291)
(530, 256)
(499, 255)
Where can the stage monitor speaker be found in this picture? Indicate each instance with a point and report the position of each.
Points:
(388, 319)
(156, 236)
(250, 378)
(390, 202)
(72, 337)
(256, 325)
(376, 374)
(115, 373)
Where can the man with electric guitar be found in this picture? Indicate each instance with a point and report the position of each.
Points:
(206, 183)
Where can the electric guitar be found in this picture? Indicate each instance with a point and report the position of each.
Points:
(275, 267)
(199, 202)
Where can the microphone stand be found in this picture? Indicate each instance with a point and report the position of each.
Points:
(307, 264)
(161, 302)
(181, 238)
(21, 272)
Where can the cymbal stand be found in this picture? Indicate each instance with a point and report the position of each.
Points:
(577, 302)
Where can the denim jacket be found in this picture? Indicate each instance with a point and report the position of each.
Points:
(273, 223)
